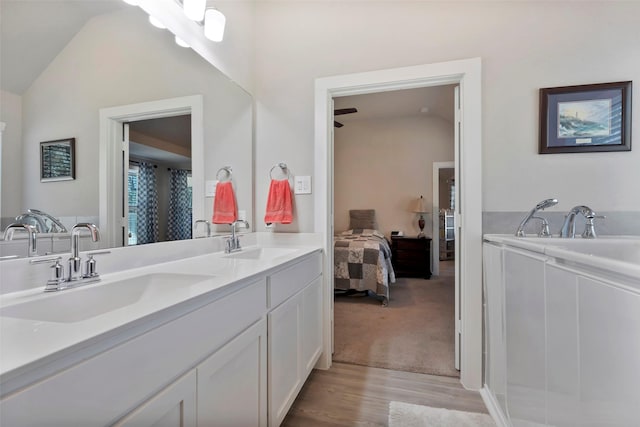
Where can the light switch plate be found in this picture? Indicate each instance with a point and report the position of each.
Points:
(302, 185)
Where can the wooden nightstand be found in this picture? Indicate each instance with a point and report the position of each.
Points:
(411, 256)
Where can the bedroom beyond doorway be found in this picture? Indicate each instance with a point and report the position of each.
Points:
(414, 333)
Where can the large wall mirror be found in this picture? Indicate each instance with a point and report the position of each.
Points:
(65, 62)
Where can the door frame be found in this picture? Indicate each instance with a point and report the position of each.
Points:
(466, 73)
(111, 178)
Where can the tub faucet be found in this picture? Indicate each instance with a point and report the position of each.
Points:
(75, 262)
(33, 239)
(569, 225)
(547, 203)
(232, 244)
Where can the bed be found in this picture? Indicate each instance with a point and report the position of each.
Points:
(362, 261)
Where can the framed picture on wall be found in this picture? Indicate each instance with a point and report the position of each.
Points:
(57, 160)
(585, 118)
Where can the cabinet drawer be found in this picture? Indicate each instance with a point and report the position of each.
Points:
(413, 258)
(287, 282)
(411, 244)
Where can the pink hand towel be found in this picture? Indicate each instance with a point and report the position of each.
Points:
(225, 210)
(279, 203)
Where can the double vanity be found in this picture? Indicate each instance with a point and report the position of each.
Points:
(199, 338)
(561, 330)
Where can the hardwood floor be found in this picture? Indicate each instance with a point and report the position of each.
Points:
(352, 395)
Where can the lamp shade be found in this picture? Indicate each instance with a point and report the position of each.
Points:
(420, 206)
(194, 9)
(214, 22)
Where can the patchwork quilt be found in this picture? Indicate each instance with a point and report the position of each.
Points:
(362, 261)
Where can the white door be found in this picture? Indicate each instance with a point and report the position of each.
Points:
(457, 223)
(232, 383)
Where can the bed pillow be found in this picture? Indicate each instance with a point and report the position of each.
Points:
(364, 232)
(363, 219)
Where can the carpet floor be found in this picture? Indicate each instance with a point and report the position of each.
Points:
(407, 415)
(415, 333)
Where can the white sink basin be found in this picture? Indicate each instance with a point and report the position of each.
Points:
(261, 253)
(91, 300)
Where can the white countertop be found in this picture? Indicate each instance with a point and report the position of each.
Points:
(28, 346)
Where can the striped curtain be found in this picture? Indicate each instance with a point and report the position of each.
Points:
(179, 218)
(147, 210)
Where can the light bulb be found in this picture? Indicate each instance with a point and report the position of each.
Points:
(181, 42)
(156, 23)
(214, 22)
(194, 9)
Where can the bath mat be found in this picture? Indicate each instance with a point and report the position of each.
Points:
(407, 415)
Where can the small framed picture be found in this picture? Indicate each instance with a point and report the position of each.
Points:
(57, 160)
(585, 118)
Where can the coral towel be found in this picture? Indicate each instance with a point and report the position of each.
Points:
(279, 204)
(225, 210)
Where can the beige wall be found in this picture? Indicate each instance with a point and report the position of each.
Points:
(524, 46)
(386, 164)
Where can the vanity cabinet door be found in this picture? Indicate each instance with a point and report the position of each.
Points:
(232, 383)
(175, 406)
(285, 357)
(311, 324)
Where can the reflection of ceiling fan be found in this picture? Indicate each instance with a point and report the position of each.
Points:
(340, 112)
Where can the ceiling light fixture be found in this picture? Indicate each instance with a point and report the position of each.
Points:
(181, 42)
(214, 22)
(194, 9)
(156, 23)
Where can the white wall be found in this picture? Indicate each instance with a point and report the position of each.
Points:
(524, 46)
(120, 59)
(11, 114)
(386, 164)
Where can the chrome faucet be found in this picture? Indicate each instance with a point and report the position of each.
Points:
(204, 221)
(75, 262)
(232, 244)
(40, 218)
(79, 273)
(544, 232)
(33, 239)
(569, 225)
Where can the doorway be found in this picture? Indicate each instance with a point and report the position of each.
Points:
(466, 73)
(113, 218)
(383, 154)
(158, 191)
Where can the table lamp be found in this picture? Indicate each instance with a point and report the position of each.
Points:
(421, 209)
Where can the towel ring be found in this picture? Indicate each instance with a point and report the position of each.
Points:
(225, 169)
(282, 166)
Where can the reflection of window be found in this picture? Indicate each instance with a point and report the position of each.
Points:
(132, 186)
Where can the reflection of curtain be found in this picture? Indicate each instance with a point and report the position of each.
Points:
(179, 227)
(147, 204)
